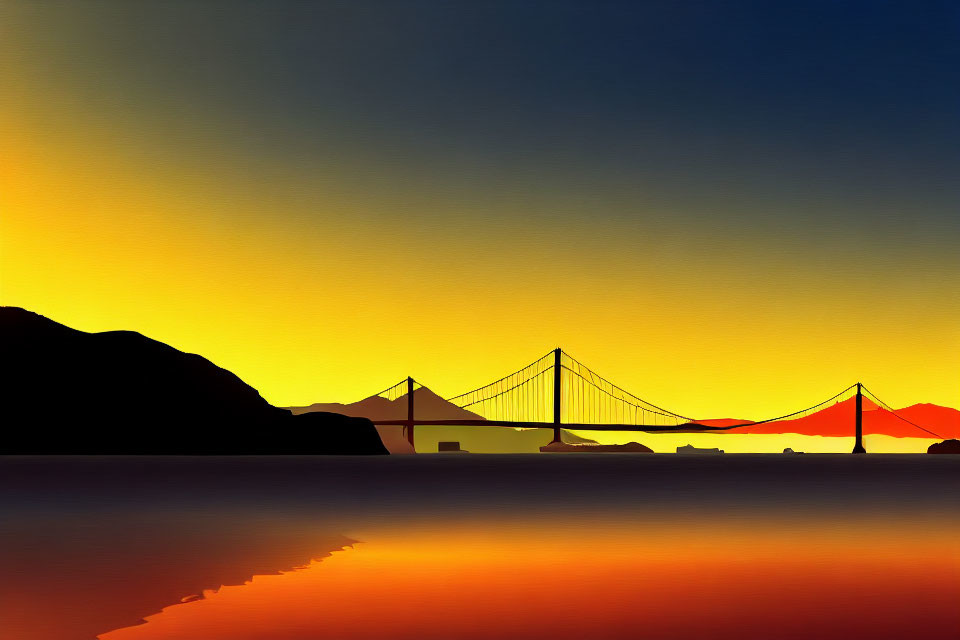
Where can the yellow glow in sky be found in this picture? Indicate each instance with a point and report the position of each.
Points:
(311, 291)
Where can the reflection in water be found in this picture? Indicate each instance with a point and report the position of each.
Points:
(549, 582)
(572, 546)
(75, 575)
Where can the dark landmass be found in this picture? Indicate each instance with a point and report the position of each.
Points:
(947, 446)
(690, 449)
(566, 447)
(68, 391)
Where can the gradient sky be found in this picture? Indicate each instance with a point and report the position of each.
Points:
(731, 209)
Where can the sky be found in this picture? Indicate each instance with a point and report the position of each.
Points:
(728, 208)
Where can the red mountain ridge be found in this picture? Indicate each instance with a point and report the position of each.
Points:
(839, 420)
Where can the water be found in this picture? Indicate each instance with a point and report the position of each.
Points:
(505, 440)
(460, 546)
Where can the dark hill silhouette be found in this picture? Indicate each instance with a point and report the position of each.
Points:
(68, 391)
(838, 420)
(947, 446)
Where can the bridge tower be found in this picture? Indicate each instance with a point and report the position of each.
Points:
(410, 411)
(858, 445)
(557, 386)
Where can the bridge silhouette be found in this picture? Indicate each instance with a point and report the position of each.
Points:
(557, 392)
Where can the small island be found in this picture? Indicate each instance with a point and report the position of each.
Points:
(689, 448)
(951, 445)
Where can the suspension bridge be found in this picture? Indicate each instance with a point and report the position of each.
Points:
(558, 392)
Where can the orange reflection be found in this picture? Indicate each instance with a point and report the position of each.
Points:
(650, 583)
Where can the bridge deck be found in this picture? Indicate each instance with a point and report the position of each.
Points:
(684, 428)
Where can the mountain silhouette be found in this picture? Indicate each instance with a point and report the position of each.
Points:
(838, 420)
(428, 406)
(947, 446)
(69, 391)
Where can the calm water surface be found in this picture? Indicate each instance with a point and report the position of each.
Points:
(463, 546)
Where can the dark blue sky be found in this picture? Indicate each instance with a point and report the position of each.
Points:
(854, 102)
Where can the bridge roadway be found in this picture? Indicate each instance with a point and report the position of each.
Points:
(684, 428)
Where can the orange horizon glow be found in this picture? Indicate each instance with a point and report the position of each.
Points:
(546, 584)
